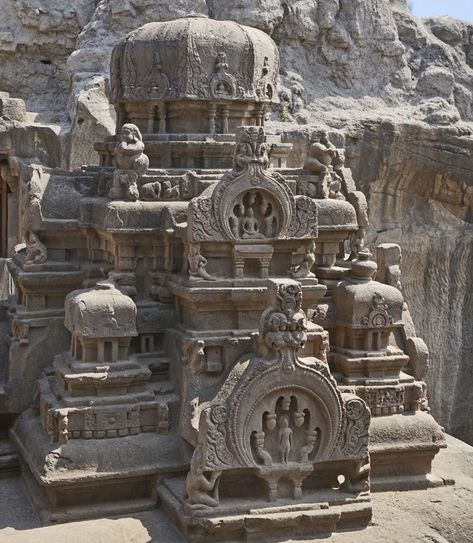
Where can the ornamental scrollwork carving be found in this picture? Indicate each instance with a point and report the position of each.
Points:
(357, 427)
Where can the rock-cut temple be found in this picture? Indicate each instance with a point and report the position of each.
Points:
(198, 326)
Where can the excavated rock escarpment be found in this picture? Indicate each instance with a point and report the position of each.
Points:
(396, 91)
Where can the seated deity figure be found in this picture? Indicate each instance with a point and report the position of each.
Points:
(250, 225)
(197, 264)
(36, 252)
(325, 160)
(130, 162)
(321, 155)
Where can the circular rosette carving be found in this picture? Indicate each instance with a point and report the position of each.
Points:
(270, 406)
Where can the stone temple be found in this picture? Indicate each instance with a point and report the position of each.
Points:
(201, 328)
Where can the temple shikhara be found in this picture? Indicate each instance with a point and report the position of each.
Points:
(200, 327)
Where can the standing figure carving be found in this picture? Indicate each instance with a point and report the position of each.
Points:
(285, 439)
(308, 447)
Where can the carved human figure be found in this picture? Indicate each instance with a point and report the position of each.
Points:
(285, 439)
(36, 252)
(107, 319)
(261, 454)
(222, 89)
(250, 225)
(297, 94)
(198, 486)
(357, 243)
(266, 211)
(222, 84)
(304, 269)
(275, 337)
(130, 162)
(128, 153)
(311, 437)
(197, 264)
(335, 186)
(63, 429)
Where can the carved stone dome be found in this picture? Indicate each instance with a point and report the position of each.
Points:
(193, 76)
(100, 312)
(364, 303)
(194, 58)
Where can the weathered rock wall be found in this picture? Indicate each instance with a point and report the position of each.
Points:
(396, 90)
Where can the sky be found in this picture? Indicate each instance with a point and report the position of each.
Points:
(460, 9)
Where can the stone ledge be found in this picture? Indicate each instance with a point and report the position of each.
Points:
(437, 515)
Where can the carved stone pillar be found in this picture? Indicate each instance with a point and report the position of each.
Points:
(212, 114)
(162, 117)
(151, 118)
(225, 111)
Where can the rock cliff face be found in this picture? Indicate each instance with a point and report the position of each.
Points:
(395, 90)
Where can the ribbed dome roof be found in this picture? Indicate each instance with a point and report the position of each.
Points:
(195, 58)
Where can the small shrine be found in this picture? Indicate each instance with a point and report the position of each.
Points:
(206, 326)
